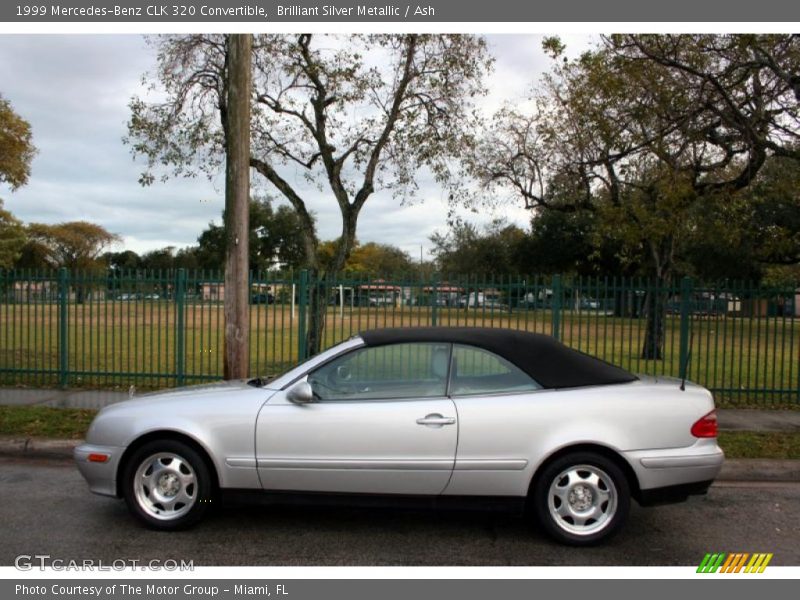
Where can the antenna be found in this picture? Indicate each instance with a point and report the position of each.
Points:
(685, 365)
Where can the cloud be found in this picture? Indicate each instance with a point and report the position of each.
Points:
(75, 89)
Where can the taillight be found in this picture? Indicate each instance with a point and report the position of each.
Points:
(706, 427)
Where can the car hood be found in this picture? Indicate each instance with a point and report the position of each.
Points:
(195, 390)
(220, 389)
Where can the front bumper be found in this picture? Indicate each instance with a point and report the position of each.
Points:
(699, 464)
(101, 476)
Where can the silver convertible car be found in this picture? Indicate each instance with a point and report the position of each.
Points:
(444, 416)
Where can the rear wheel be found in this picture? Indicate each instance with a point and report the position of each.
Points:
(581, 498)
(167, 485)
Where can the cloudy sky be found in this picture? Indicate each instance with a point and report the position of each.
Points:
(75, 89)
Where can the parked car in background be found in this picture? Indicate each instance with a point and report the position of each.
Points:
(586, 303)
(377, 299)
(262, 298)
(490, 300)
(444, 415)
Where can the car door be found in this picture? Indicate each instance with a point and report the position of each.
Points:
(380, 423)
(497, 417)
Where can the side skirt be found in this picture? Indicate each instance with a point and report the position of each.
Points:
(507, 504)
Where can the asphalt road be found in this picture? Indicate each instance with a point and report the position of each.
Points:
(46, 508)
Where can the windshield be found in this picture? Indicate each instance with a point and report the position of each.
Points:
(295, 370)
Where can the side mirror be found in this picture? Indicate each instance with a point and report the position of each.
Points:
(300, 393)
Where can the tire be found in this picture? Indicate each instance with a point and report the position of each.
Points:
(581, 498)
(167, 485)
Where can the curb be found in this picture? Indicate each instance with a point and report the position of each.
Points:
(736, 469)
(38, 447)
(760, 469)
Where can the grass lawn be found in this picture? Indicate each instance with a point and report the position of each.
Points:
(747, 444)
(44, 421)
(72, 423)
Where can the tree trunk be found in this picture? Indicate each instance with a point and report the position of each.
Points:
(320, 283)
(655, 305)
(621, 304)
(317, 305)
(655, 308)
(237, 205)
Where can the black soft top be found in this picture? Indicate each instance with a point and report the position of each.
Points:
(549, 362)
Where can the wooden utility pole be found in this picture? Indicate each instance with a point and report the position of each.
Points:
(237, 205)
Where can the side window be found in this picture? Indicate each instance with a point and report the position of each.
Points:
(476, 371)
(417, 370)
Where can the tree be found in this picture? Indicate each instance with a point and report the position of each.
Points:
(211, 247)
(377, 259)
(747, 87)
(276, 238)
(571, 242)
(353, 114)
(282, 237)
(786, 277)
(120, 265)
(642, 144)
(76, 245)
(758, 227)
(770, 213)
(33, 255)
(16, 147)
(465, 249)
(16, 153)
(186, 258)
(369, 259)
(161, 259)
(127, 260)
(12, 238)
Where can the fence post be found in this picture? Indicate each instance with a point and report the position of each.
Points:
(180, 328)
(556, 306)
(686, 296)
(301, 321)
(63, 342)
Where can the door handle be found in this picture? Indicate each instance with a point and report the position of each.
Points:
(435, 420)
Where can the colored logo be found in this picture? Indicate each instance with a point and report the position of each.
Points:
(735, 562)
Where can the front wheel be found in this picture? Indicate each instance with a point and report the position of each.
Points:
(581, 498)
(167, 485)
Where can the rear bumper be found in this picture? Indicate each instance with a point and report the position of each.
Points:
(672, 494)
(101, 476)
(692, 466)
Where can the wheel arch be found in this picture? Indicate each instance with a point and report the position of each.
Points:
(165, 434)
(605, 451)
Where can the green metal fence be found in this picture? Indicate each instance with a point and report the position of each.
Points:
(165, 328)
